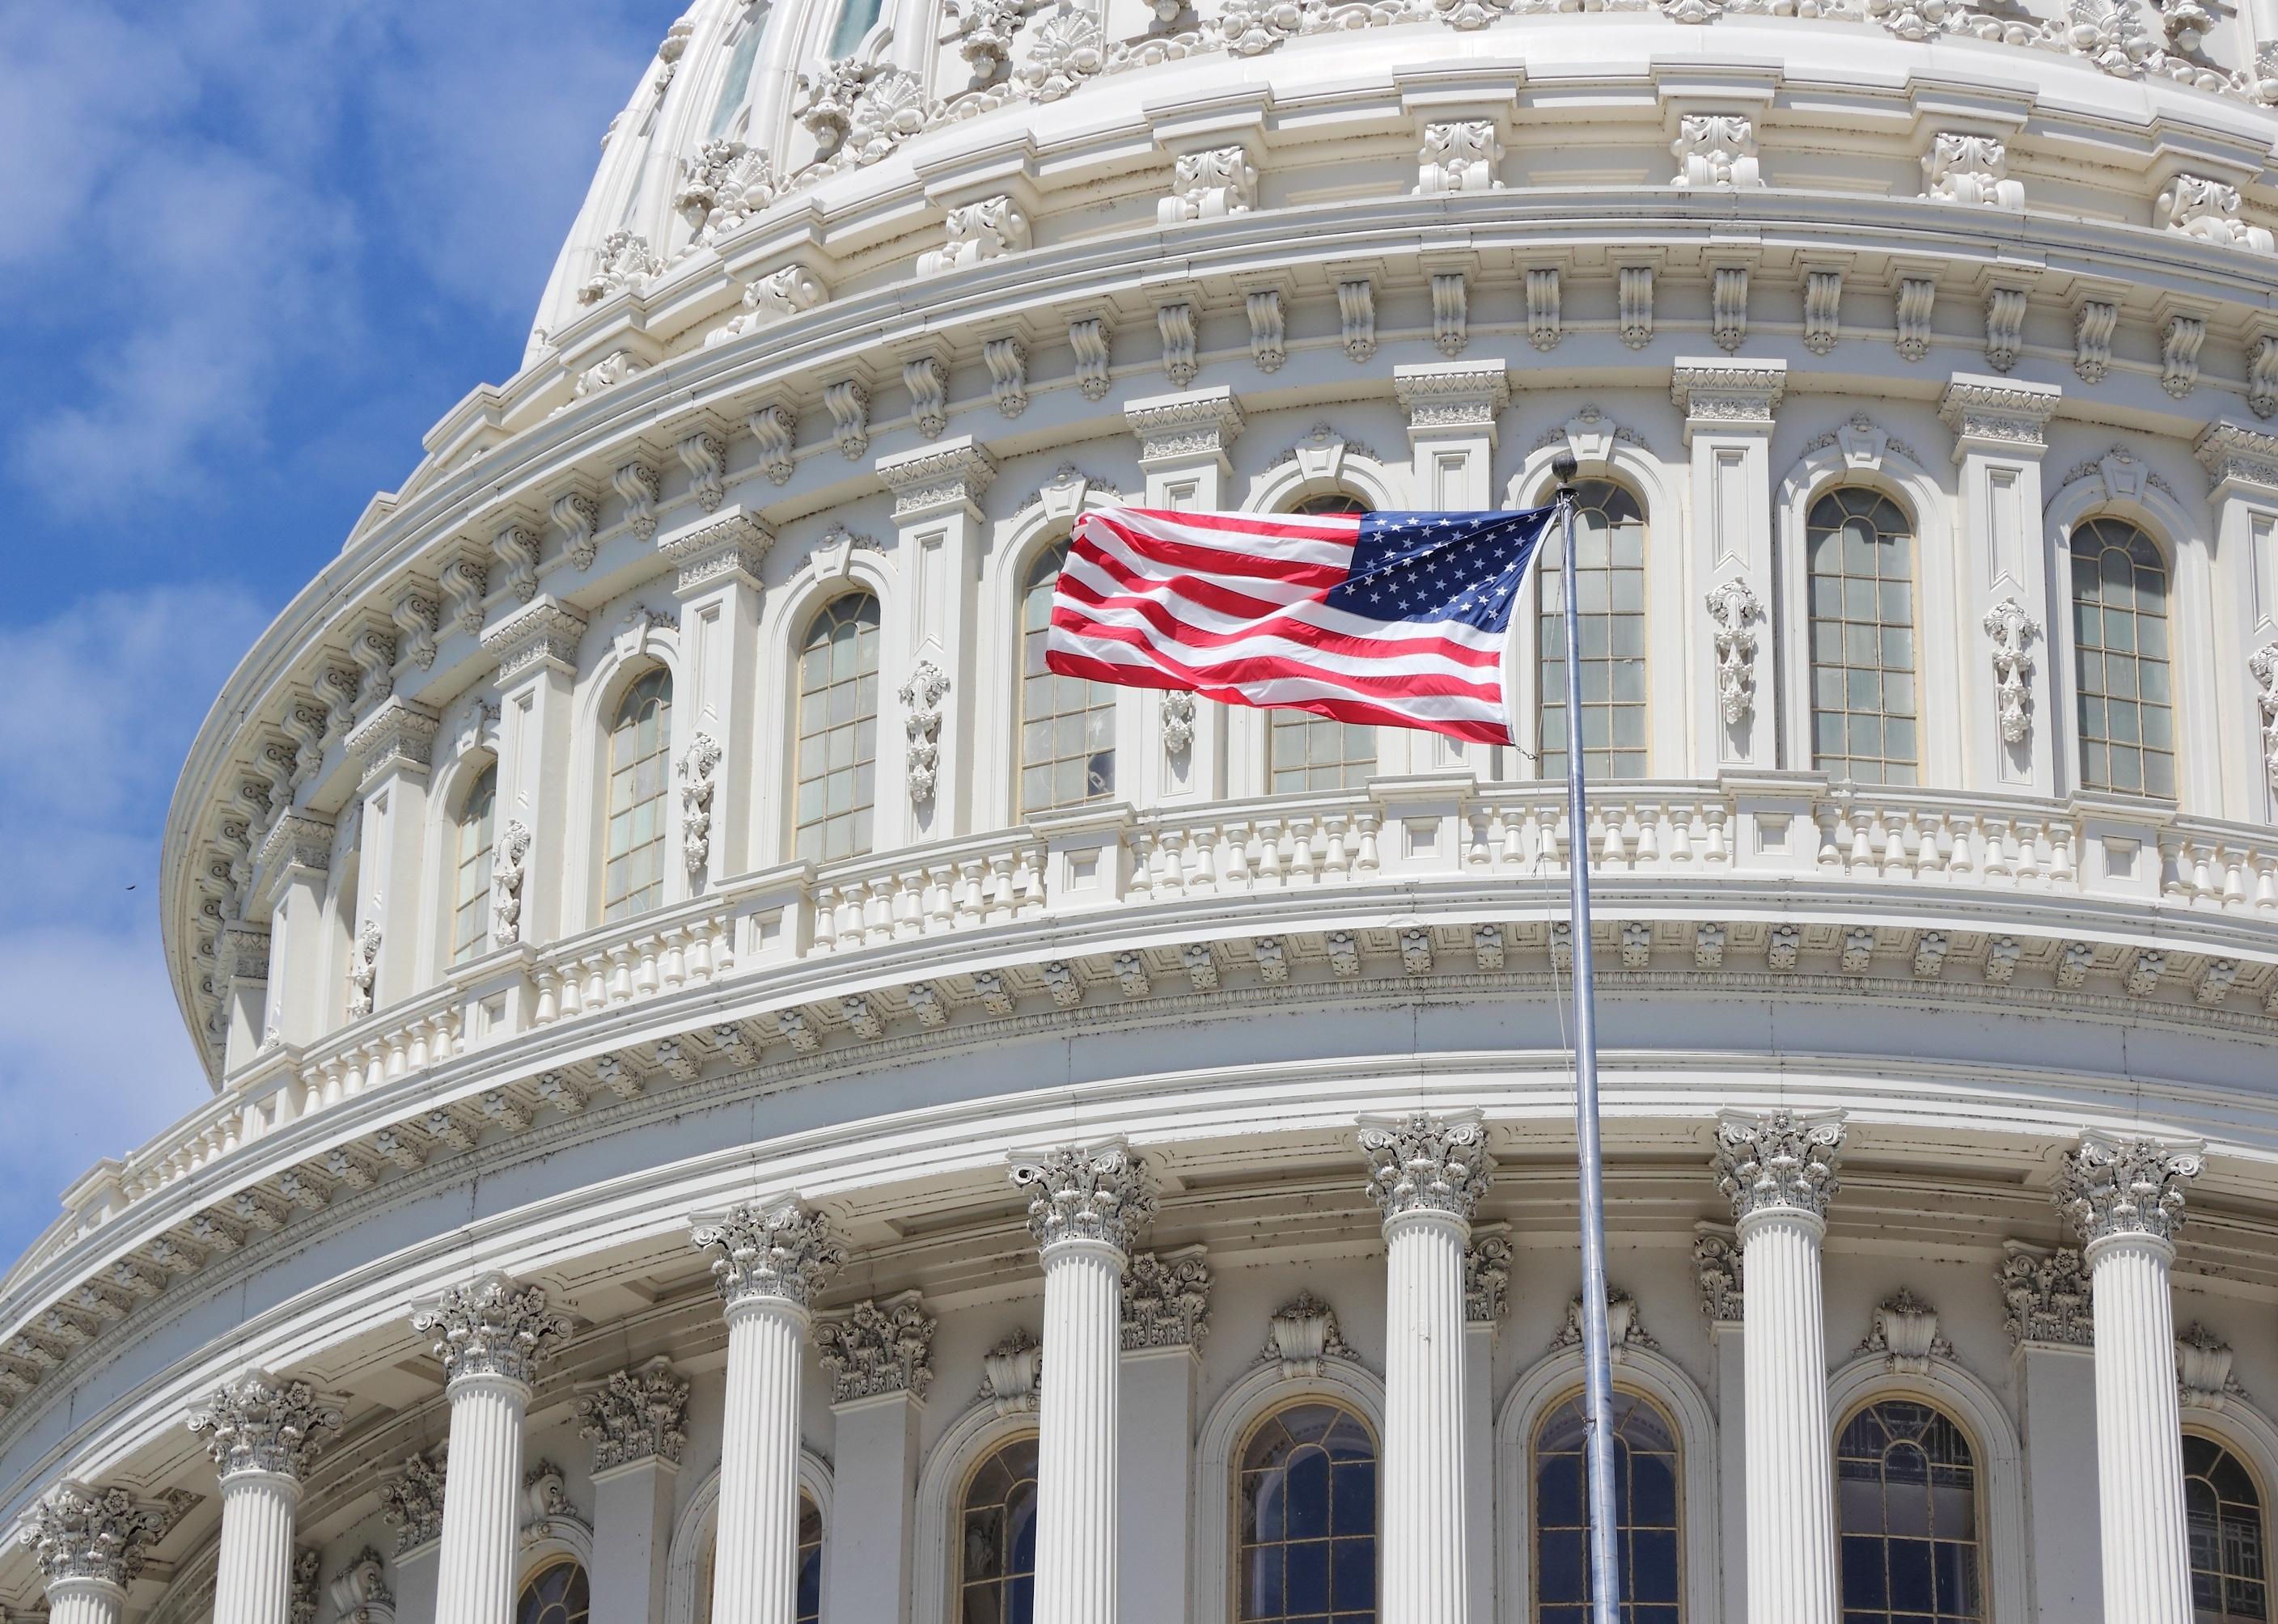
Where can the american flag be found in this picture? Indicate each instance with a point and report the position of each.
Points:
(1394, 618)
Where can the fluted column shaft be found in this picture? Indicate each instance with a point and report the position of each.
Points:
(482, 1496)
(2139, 1451)
(1077, 1413)
(1790, 1507)
(87, 1601)
(253, 1578)
(755, 1574)
(1426, 1565)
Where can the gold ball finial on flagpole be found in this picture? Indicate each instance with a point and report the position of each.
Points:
(1562, 469)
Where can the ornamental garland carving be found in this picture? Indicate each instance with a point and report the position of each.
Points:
(492, 1327)
(1624, 1330)
(1779, 1161)
(2013, 631)
(360, 1593)
(636, 1415)
(506, 872)
(1487, 1277)
(879, 1347)
(2048, 1297)
(922, 699)
(1013, 1373)
(2263, 665)
(1717, 1266)
(1735, 609)
(2110, 1187)
(1078, 1194)
(2203, 1376)
(1302, 1337)
(700, 769)
(1165, 1300)
(78, 1532)
(411, 1502)
(1904, 1330)
(780, 1254)
(1421, 1163)
(262, 1422)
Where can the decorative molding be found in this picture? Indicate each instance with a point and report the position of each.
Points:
(360, 1593)
(2235, 454)
(780, 1252)
(2109, 1187)
(2048, 1295)
(1301, 1337)
(2203, 1376)
(75, 1532)
(2262, 665)
(1088, 338)
(928, 383)
(1013, 1375)
(976, 232)
(1212, 185)
(922, 699)
(2013, 631)
(1467, 396)
(1487, 1275)
(2005, 327)
(777, 296)
(1778, 1161)
(1462, 156)
(1624, 1330)
(491, 1327)
(2209, 211)
(1912, 306)
(729, 546)
(1200, 425)
(552, 1518)
(1100, 1195)
(2180, 341)
(1420, 1163)
(636, 487)
(543, 633)
(411, 1502)
(848, 402)
(1166, 1299)
(1989, 413)
(1717, 1266)
(1178, 717)
(1268, 345)
(1729, 394)
(1452, 311)
(1734, 609)
(1904, 1330)
(1356, 318)
(2093, 324)
(1716, 150)
(1970, 170)
(261, 1422)
(1822, 310)
(1636, 299)
(509, 864)
(1007, 360)
(622, 265)
(698, 772)
(879, 1347)
(1728, 307)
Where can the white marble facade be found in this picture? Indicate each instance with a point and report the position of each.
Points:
(735, 1098)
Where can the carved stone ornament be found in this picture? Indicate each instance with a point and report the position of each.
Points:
(781, 1253)
(78, 1532)
(509, 866)
(636, 1415)
(976, 232)
(700, 769)
(545, 1498)
(2203, 1370)
(2263, 666)
(1717, 1265)
(2209, 211)
(1716, 150)
(1077, 1195)
(1166, 1299)
(2048, 1296)
(363, 970)
(261, 1422)
(1735, 609)
(1904, 1330)
(722, 183)
(1988, 410)
(1013, 1373)
(1624, 1329)
(307, 1593)
(1462, 156)
(1178, 722)
(2013, 631)
(1487, 1277)
(1421, 1163)
(879, 1347)
(492, 1327)
(1209, 186)
(411, 1502)
(360, 1593)
(1970, 169)
(2111, 1187)
(1302, 1337)
(1779, 1161)
(922, 699)
(622, 265)
(541, 633)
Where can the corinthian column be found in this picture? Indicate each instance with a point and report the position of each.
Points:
(263, 1432)
(489, 1336)
(1778, 1171)
(89, 1544)
(770, 1263)
(1084, 1208)
(1427, 1175)
(2125, 1197)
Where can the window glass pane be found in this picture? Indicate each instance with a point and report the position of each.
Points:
(1860, 548)
(556, 1594)
(2222, 1514)
(838, 732)
(1906, 1502)
(809, 1604)
(2123, 705)
(1305, 1495)
(471, 899)
(1646, 1513)
(997, 1550)
(1067, 723)
(632, 874)
(1610, 551)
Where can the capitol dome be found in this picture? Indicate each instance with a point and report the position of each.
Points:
(739, 1096)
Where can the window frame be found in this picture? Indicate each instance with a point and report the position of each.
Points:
(2251, 1461)
(1807, 723)
(981, 1458)
(2065, 603)
(476, 776)
(1536, 696)
(811, 615)
(1990, 1609)
(623, 686)
(1531, 1604)
(550, 1557)
(1237, 1467)
(1029, 560)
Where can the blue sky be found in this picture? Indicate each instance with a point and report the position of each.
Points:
(250, 250)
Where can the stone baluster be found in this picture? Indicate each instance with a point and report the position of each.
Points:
(489, 1336)
(263, 1432)
(1427, 1175)
(769, 1262)
(1084, 1207)
(1778, 1171)
(89, 1544)
(2125, 1199)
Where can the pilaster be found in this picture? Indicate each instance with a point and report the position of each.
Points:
(2052, 1330)
(1728, 406)
(1487, 1289)
(2009, 717)
(716, 561)
(634, 1422)
(393, 749)
(879, 1357)
(290, 874)
(537, 652)
(1166, 1316)
(2242, 465)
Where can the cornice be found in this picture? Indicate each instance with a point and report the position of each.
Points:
(2234, 455)
(1727, 394)
(1194, 426)
(545, 632)
(726, 546)
(1468, 395)
(398, 735)
(946, 477)
(1998, 413)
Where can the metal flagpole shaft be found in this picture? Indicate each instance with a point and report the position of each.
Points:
(1598, 1377)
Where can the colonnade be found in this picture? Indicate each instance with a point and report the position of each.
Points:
(1426, 1174)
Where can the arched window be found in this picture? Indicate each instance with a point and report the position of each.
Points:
(856, 18)
(640, 741)
(557, 1593)
(1610, 560)
(1317, 752)
(1067, 723)
(1906, 1502)
(808, 1603)
(996, 1538)
(837, 731)
(2222, 1511)
(1645, 1508)
(471, 899)
(2120, 639)
(1306, 1536)
(1863, 709)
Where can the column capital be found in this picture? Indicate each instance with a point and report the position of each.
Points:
(411, 1502)
(947, 477)
(360, 1593)
(1720, 1271)
(2111, 1187)
(2048, 1296)
(1420, 1163)
(1487, 1277)
(86, 1535)
(1727, 395)
(636, 1415)
(538, 636)
(781, 1253)
(265, 1423)
(1464, 397)
(398, 737)
(726, 546)
(877, 1348)
(1194, 425)
(1166, 1299)
(2234, 455)
(1778, 1161)
(1097, 1195)
(491, 1327)
(2002, 415)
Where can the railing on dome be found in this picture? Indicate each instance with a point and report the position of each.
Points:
(1414, 834)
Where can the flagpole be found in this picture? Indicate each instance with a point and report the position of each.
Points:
(1598, 1379)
